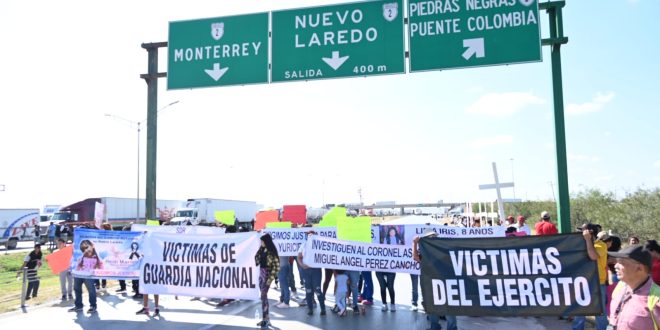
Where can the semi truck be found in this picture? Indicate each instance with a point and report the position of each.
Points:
(201, 211)
(118, 212)
(17, 225)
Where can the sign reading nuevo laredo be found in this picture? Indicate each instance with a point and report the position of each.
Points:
(467, 33)
(218, 51)
(358, 39)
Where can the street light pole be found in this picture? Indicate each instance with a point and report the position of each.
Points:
(137, 200)
(138, 125)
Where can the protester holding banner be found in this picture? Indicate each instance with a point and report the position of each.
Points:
(66, 279)
(597, 251)
(312, 278)
(636, 299)
(267, 260)
(386, 280)
(434, 319)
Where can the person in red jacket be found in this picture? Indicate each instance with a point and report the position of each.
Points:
(653, 247)
(545, 227)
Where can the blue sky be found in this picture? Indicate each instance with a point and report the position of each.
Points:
(409, 138)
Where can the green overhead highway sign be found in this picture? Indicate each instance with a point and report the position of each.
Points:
(218, 51)
(346, 40)
(467, 33)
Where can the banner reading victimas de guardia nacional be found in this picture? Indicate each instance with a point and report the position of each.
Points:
(213, 266)
(532, 275)
(106, 254)
(323, 252)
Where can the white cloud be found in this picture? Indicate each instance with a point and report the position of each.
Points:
(491, 141)
(503, 104)
(595, 105)
(656, 164)
(578, 157)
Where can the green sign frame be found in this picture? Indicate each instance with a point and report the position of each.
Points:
(346, 40)
(218, 51)
(471, 33)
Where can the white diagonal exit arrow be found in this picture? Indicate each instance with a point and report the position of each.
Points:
(335, 61)
(474, 47)
(216, 73)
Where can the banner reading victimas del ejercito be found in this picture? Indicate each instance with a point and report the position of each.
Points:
(533, 275)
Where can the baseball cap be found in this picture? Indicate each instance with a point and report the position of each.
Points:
(545, 215)
(589, 226)
(603, 236)
(429, 233)
(37, 244)
(634, 252)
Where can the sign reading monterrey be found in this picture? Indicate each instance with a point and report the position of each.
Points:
(358, 39)
(218, 51)
(453, 34)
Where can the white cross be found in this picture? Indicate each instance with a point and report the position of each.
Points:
(497, 185)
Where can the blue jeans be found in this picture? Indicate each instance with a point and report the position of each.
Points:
(368, 290)
(91, 290)
(451, 322)
(601, 320)
(415, 288)
(283, 277)
(312, 278)
(354, 276)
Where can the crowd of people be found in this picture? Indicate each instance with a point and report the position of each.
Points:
(628, 273)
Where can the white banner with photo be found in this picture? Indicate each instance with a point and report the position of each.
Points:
(288, 240)
(322, 252)
(188, 230)
(213, 266)
(404, 234)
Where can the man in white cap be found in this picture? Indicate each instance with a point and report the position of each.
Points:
(545, 227)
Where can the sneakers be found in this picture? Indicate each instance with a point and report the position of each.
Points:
(367, 302)
(63, 298)
(70, 297)
(310, 312)
(302, 303)
(360, 298)
(137, 296)
(384, 309)
(75, 309)
(392, 308)
(282, 305)
(414, 308)
(335, 309)
(121, 290)
(323, 312)
(156, 312)
(27, 298)
(91, 310)
(144, 311)
(263, 324)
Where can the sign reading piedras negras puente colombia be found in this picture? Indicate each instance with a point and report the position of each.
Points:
(468, 33)
(358, 39)
(218, 51)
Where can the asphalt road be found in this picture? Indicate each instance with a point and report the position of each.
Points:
(117, 311)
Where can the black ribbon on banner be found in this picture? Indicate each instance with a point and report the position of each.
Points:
(511, 276)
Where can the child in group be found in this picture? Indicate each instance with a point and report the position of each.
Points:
(90, 260)
(341, 278)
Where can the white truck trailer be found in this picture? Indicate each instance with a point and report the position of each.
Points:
(201, 211)
(17, 225)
